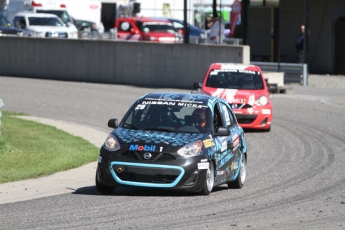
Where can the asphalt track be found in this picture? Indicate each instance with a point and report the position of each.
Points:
(295, 180)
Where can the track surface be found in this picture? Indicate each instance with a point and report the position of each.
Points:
(296, 175)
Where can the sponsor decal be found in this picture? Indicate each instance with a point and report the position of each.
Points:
(266, 111)
(224, 147)
(235, 140)
(234, 165)
(229, 69)
(203, 165)
(93, 7)
(221, 172)
(193, 104)
(208, 143)
(142, 148)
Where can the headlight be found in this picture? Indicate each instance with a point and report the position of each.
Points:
(262, 101)
(111, 143)
(74, 35)
(191, 149)
(38, 34)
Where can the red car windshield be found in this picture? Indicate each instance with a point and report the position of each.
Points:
(156, 27)
(235, 79)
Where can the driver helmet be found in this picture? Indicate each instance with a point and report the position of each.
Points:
(199, 117)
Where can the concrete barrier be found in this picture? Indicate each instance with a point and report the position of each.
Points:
(116, 62)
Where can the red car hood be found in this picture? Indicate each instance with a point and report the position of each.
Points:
(235, 96)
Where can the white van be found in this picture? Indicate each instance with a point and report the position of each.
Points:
(89, 10)
(43, 26)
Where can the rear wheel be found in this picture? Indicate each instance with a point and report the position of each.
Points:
(104, 189)
(209, 181)
(242, 174)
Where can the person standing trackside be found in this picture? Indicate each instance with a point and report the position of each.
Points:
(299, 46)
(217, 31)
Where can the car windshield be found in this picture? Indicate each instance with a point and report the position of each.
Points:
(4, 22)
(158, 27)
(46, 21)
(235, 79)
(167, 116)
(60, 13)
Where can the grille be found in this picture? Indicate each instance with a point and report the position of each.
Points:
(56, 35)
(241, 106)
(245, 119)
(156, 157)
(144, 178)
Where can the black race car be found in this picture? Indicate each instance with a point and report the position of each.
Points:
(179, 141)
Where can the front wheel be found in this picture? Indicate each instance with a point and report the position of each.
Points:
(209, 181)
(242, 174)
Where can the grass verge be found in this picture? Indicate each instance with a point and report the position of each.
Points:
(30, 150)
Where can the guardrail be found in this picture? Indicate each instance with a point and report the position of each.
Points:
(293, 72)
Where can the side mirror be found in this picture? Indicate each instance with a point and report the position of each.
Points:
(113, 123)
(272, 88)
(197, 86)
(222, 131)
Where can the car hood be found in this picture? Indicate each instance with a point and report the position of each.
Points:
(235, 96)
(48, 29)
(9, 30)
(130, 136)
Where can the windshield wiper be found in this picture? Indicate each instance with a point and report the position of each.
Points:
(161, 129)
(130, 125)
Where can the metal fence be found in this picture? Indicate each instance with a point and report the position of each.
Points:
(293, 72)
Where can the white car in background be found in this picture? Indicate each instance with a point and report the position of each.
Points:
(43, 25)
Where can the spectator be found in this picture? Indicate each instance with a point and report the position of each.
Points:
(217, 30)
(100, 27)
(299, 46)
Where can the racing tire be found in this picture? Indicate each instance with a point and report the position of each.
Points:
(104, 189)
(242, 174)
(209, 181)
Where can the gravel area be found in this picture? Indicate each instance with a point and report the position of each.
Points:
(327, 81)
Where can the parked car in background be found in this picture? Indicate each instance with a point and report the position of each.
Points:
(245, 89)
(7, 29)
(43, 25)
(146, 29)
(194, 32)
(84, 25)
(176, 141)
(62, 14)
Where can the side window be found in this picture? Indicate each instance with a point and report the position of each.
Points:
(232, 117)
(16, 21)
(217, 119)
(124, 27)
(227, 117)
(22, 23)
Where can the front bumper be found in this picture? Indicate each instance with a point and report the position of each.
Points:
(182, 173)
(254, 118)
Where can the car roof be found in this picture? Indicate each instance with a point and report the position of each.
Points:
(38, 15)
(200, 99)
(234, 66)
(146, 19)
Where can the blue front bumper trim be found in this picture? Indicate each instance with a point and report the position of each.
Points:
(153, 185)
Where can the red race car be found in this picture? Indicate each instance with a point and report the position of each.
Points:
(245, 88)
